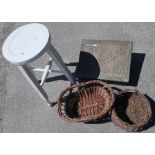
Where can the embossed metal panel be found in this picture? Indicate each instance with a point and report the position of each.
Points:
(111, 60)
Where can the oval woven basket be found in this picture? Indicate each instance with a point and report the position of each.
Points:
(132, 111)
(85, 102)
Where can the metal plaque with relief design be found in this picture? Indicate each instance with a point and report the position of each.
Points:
(108, 60)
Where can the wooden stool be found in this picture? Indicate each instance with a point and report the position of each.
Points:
(25, 45)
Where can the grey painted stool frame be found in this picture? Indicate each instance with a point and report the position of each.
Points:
(28, 43)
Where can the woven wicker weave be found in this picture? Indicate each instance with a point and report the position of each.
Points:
(85, 101)
(132, 111)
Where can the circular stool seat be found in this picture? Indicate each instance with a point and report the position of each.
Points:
(26, 44)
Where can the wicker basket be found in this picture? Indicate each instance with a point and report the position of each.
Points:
(132, 111)
(85, 102)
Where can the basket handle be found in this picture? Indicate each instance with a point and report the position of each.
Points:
(77, 86)
(127, 91)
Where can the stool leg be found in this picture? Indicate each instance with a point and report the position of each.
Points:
(58, 60)
(33, 82)
(46, 72)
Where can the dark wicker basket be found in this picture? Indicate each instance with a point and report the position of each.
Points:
(132, 111)
(85, 101)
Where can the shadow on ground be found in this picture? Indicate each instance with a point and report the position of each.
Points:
(89, 66)
(88, 61)
(137, 60)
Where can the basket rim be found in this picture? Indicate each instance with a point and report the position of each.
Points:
(86, 119)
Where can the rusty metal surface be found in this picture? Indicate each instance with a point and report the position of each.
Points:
(108, 60)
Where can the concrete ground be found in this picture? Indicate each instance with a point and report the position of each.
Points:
(21, 109)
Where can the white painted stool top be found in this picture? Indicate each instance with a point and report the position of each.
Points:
(26, 44)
